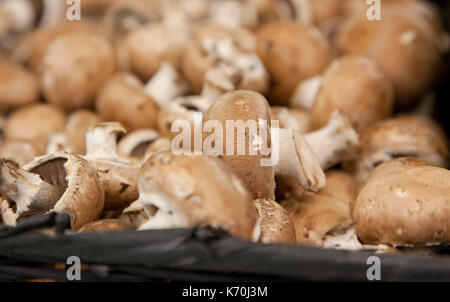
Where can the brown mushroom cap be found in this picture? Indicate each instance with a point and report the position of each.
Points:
(315, 216)
(291, 53)
(80, 192)
(106, 225)
(245, 106)
(150, 45)
(34, 123)
(123, 99)
(196, 190)
(403, 44)
(18, 86)
(18, 151)
(78, 122)
(342, 186)
(405, 135)
(404, 202)
(136, 214)
(74, 68)
(276, 226)
(358, 88)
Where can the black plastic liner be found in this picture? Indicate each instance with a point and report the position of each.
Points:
(202, 254)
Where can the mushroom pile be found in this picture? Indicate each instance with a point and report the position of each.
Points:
(344, 153)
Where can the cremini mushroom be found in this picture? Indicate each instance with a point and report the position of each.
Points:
(74, 67)
(291, 53)
(59, 182)
(78, 122)
(334, 143)
(161, 144)
(404, 202)
(358, 88)
(320, 219)
(118, 173)
(35, 123)
(106, 225)
(292, 118)
(123, 99)
(251, 138)
(276, 226)
(135, 144)
(404, 135)
(341, 185)
(196, 190)
(136, 214)
(404, 44)
(18, 151)
(18, 87)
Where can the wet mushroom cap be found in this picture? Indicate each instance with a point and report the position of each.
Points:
(291, 53)
(276, 226)
(74, 67)
(196, 190)
(123, 99)
(405, 201)
(357, 87)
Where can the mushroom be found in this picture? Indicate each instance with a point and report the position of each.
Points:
(405, 135)
(78, 122)
(335, 142)
(161, 144)
(136, 214)
(249, 149)
(18, 86)
(268, 11)
(322, 220)
(118, 173)
(106, 225)
(291, 53)
(137, 142)
(196, 190)
(404, 202)
(409, 52)
(146, 55)
(232, 14)
(34, 123)
(166, 85)
(292, 118)
(276, 226)
(59, 182)
(17, 16)
(74, 67)
(18, 151)
(341, 185)
(358, 88)
(123, 99)
(319, 12)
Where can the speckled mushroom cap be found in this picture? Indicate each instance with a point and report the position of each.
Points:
(74, 67)
(196, 190)
(35, 122)
(356, 86)
(405, 201)
(18, 86)
(316, 216)
(405, 135)
(123, 99)
(245, 106)
(276, 226)
(403, 44)
(82, 191)
(291, 53)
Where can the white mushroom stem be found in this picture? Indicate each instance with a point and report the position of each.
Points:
(101, 140)
(27, 190)
(306, 92)
(297, 159)
(166, 85)
(335, 142)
